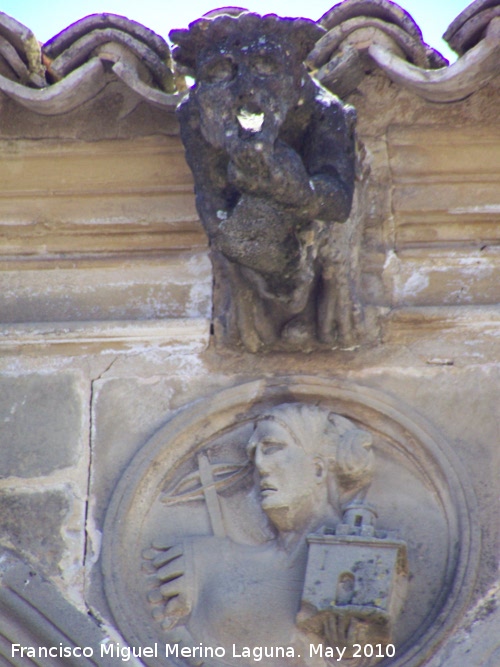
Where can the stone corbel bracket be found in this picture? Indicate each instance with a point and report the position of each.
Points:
(367, 33)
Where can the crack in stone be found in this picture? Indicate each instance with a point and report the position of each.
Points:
(86, 518)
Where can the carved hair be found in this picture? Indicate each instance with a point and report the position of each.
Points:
(345, 448)
(299, 34)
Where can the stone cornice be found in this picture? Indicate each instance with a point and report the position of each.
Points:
(180, 335)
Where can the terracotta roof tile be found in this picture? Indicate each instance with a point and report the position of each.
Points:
(362, 35)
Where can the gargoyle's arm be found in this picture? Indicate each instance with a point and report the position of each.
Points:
(272, 171)
(317, 184)
(215, 197)
(329, 156)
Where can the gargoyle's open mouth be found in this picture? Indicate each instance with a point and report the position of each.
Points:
(250, 120)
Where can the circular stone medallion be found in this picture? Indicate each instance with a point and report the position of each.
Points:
(192, 556)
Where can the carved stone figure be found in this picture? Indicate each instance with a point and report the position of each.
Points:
(309, 465)
(272, 154)
(267, 516)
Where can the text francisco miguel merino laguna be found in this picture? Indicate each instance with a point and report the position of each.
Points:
(125, 653)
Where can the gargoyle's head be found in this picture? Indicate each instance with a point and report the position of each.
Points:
(248, 72)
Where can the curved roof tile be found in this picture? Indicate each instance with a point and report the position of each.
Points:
(82, 48)
(448, 84)
(469, 12)
(407, 60)
(68, 70)
(14, 61)
(24, 47)
(380, 9)
(71, 68)
(470, 26)
(414, 50)
(63, 40)
(78, 87)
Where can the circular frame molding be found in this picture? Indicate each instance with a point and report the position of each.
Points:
(202, 420)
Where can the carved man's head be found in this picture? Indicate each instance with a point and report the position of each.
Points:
(248, 71)
(306, 457)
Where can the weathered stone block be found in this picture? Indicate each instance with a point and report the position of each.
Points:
(41, 420)
(31, 524)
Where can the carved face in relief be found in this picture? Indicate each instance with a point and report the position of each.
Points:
(245, 87)
(187, 555)
(306, 459)
(292, 482)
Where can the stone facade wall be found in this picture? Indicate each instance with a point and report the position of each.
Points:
(106, 304)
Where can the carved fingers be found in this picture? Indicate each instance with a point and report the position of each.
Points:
(275, 171)
(167, 596)
(249, 166)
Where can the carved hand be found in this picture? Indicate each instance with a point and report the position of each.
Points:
(274, 171)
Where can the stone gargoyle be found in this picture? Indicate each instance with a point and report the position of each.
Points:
(272, 154)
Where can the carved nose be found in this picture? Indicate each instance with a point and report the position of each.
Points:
(246, 87)
(250, 105)
(258, 460)
(246, 99)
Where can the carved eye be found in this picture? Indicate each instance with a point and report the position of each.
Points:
(264, 65)
(271, 447)
(219, 70)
